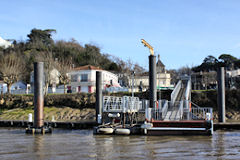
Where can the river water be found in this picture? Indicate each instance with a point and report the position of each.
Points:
(82, 144)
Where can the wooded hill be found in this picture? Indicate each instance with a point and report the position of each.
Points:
(16, 62)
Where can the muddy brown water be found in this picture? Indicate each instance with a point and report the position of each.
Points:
(82, 144)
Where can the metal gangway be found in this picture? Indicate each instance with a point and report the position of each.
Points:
(179, 99)
(180, 106)
(183, 111)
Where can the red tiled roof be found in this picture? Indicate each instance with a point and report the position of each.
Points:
(87, 67)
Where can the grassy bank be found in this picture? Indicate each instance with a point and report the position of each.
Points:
(78, 107)
(60, 114)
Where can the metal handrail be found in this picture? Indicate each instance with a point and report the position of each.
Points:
(121, 104)
(131, 103)
(188, 90)
(165, 109)
(112, 104)
(181, 110)
(200, 113)
(175, 92)
(195, 104)
(145, 104)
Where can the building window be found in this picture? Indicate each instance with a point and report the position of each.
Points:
(84, 77)
(78, 78)
(73, 78)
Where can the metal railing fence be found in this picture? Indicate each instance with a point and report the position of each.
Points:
(121, 104)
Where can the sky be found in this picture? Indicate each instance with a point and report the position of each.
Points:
(183, 32)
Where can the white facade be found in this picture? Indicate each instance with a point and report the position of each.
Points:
(54, 77)
(83, 79)
(163, 81)
(4, 43)
(233, 73)
(15, 88)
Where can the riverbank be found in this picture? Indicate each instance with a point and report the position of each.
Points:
(80, 107)
(67, 114)
(64, 114)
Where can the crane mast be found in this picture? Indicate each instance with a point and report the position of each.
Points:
(146, 44)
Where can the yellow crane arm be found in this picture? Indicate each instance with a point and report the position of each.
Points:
(146, 44)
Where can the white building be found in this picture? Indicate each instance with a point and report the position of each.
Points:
(141, 82)
(53, 75)
(83, 79)
(4, 44)
(233, 73)
(16, 88)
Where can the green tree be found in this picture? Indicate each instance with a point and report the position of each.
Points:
(40, 40)
(210, 63)
(227, 60)
(43, 36)
(70, 48)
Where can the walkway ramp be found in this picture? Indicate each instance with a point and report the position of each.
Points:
(180, 116)
(179, 94)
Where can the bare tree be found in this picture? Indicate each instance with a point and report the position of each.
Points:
(11, 68)
(64, 66)
(129, 65)
(138, 69)
(49, 65)
(186, 70)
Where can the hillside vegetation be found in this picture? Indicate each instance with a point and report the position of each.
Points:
(16, 62)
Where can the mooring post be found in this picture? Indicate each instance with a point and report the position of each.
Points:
(152, 81)
(99, 97)
(221, 95)
(38, 95)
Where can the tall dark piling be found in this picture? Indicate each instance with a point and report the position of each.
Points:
(221, 95)
(38, 95)
(38, 124)
(99, 97)
(152, 81)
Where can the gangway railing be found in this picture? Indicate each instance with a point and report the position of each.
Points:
(188, 90)
(175, 92)
(112, 104)
(143, 105)
(183, 111)
(165, 109)
(131, 104)
(179, 114)
(159, 113)
(121, 104)
(201, 113)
